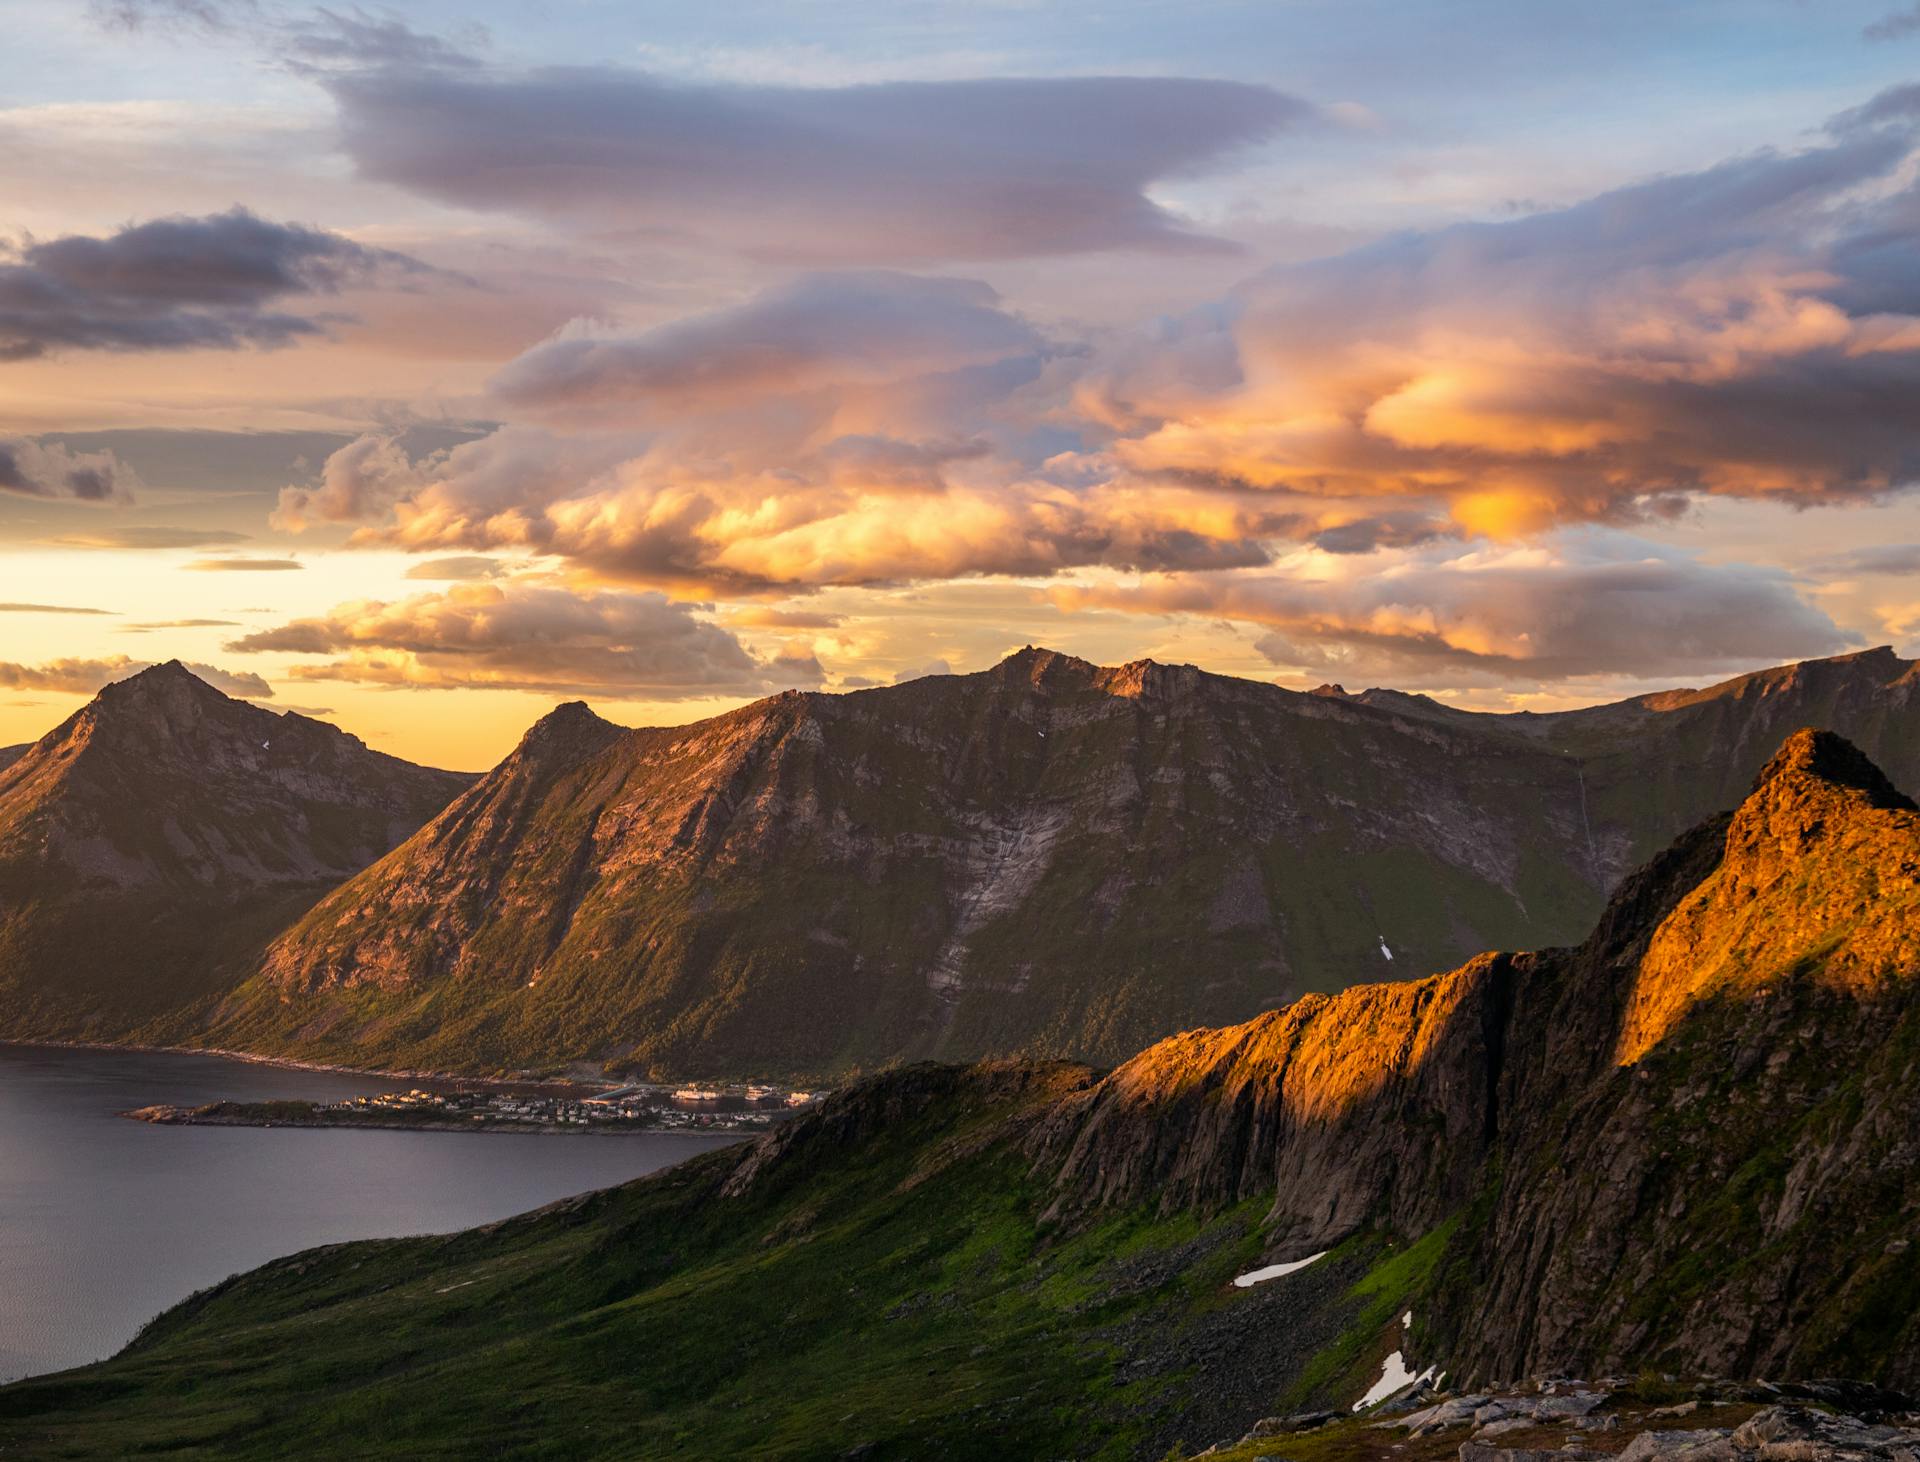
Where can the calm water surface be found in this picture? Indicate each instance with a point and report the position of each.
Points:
(105, 1222)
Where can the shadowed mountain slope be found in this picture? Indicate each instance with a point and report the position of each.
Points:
(156, 839)
(1049, 858)
(1689, 1144)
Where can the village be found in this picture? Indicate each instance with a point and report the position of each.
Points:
(640, 1107)
(636, 1108)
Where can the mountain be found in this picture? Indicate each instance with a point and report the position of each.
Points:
(1689, 1145)
(153, 842)
(11, 754)
(1048, 859)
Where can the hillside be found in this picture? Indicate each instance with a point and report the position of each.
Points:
(153, 842)
(1690, 1144)
(1047, 859)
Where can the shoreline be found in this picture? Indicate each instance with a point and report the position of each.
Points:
(185, 1117)
(288, 1063)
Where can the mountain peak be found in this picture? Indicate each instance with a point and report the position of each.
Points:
(570, 730)
(1824, 756)
(168, 677)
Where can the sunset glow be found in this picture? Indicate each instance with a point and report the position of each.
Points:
(669, 362)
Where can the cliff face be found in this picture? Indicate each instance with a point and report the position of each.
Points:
(1690, 1143)
(1049, 858)
(155, 840)
(1735, 1190)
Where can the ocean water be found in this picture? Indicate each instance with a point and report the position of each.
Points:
(105, 1222)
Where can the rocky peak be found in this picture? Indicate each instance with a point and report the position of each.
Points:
(169, 690)
(1820, 763)
(1035, 666)
(1822, 838)
(567, 733)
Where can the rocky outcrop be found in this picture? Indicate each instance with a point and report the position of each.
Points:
(1691, 1142)
(1376, 1102)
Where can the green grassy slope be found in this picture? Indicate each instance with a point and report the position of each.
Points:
(894, 1291)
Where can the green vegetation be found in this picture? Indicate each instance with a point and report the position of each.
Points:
(897, 1292)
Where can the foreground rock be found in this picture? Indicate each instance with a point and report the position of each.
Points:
(1572, 1421)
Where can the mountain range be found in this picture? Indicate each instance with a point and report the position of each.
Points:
(1687, 1146)
(1046, 859)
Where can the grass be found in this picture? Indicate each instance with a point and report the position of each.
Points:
(903, 1297)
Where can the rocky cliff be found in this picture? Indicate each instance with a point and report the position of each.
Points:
(1691, 1142)
(154, 841)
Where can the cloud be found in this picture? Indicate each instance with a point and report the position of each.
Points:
(1879, 558)
(50, 470)
(459, 569)
(356, 39)
(904, 172)
(932, 667)
(147, 537)
(189, 16)
(757, 618)
(1895, 25)
(856, 428)
(360, 480)
(821, 331)
(1592, 602)
(49, 609)
(210, 283)
(850, 512)
(84, 677)
(178, 624)
(243, 565)
(538, 638)
(1752, 330)
(1356, 455)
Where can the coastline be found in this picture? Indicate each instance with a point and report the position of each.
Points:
(187, 1117)
(288, 1063)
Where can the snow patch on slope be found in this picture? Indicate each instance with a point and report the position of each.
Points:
(1274, 1271)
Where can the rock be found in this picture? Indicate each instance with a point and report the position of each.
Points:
(1437, 1418)
(1776, 1423)
(1683, 1408)
(1568, 1407)
(1802, 1449)
(1474, 1451)
(1277, 1426)
(1492, 1411)
(1697, 1446)
(1501, 1427)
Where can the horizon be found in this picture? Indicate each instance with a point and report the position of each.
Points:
(195, 672)
(1304, 343)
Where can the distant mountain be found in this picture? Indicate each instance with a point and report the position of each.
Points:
(155, 840)
(1048, 858)
(1688, 1146)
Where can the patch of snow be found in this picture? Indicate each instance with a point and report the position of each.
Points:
(1393, 1375)
(1393, 1371)
(1274, 1271)
(1383, 946)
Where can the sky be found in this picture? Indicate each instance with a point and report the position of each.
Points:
(422, 367)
